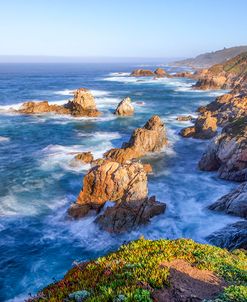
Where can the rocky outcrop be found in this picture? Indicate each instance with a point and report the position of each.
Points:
(234, 203)
(228, 107)
(83, 104)
(227, 153)
(227, 75)
(233, 236)
(161, 73)
(85, 157)
(126, 216)
(205, 127)
(124, 184)
(41, 107)
(142, 73)
(125, 108)
(150, 138)
(184, 74)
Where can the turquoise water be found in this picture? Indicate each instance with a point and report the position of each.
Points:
(39, 179)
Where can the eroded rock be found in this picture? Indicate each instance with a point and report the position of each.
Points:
(142, 73)
(83, 104)
(227, 153)
(125, 108)
(234, 203)
(205, 127)
(85, 157)
(125, 216)
(150, 138)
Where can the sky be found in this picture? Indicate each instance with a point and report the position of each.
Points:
(115, 28)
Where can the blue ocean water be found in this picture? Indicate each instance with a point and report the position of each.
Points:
(39, 179)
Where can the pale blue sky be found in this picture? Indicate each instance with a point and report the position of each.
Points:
(124, 28)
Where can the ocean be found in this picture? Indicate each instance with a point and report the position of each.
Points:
(39, 179)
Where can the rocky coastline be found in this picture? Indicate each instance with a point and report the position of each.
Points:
(120, 177)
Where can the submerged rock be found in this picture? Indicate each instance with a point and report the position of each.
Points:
(126, 216)
(142, 73)
(205, 127)
(227, 153)
(83, 104)
(125, 107)
(150, 138)
(234, 203)
(233, 236)
(85, 157)
(184, 118)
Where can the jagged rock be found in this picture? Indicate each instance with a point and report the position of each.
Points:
(233, 236)
(234, 203)
(228, 107)
(147, 168)
(228, 75)
(184, 118)
(125, 107)
(41, 107)
(110, 181)
(83, 104)
(142, 73)
(227, 153)
(205, 127)
(85, 157)
(150, 138)
(125, 216)
(161, 73)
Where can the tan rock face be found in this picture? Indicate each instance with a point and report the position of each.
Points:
(150, 138)
(228, 107)
(85, 157)
(142, 73)
(227, 153)
(205, 127)
(125, 108)
(160, 73)
(41, 107)
(112, 181)
(83, 104)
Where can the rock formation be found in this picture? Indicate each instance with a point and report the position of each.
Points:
(83, 104)
(161, 73)
(233, 236)
(125, 216)
(184, 118)
(234, 203)
(227, 75)
(228, 107)
(227, 153)
(205, 127)
(124, 184)
(142, 73)
(41, 107)
(150, 138)
(125, 108)
(85, 157)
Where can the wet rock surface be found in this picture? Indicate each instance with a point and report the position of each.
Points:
(125, 107)
(234, 203)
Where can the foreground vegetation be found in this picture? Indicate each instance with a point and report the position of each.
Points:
(135, 271)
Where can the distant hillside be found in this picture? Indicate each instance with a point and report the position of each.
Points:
(211, 58)
(228, 75)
